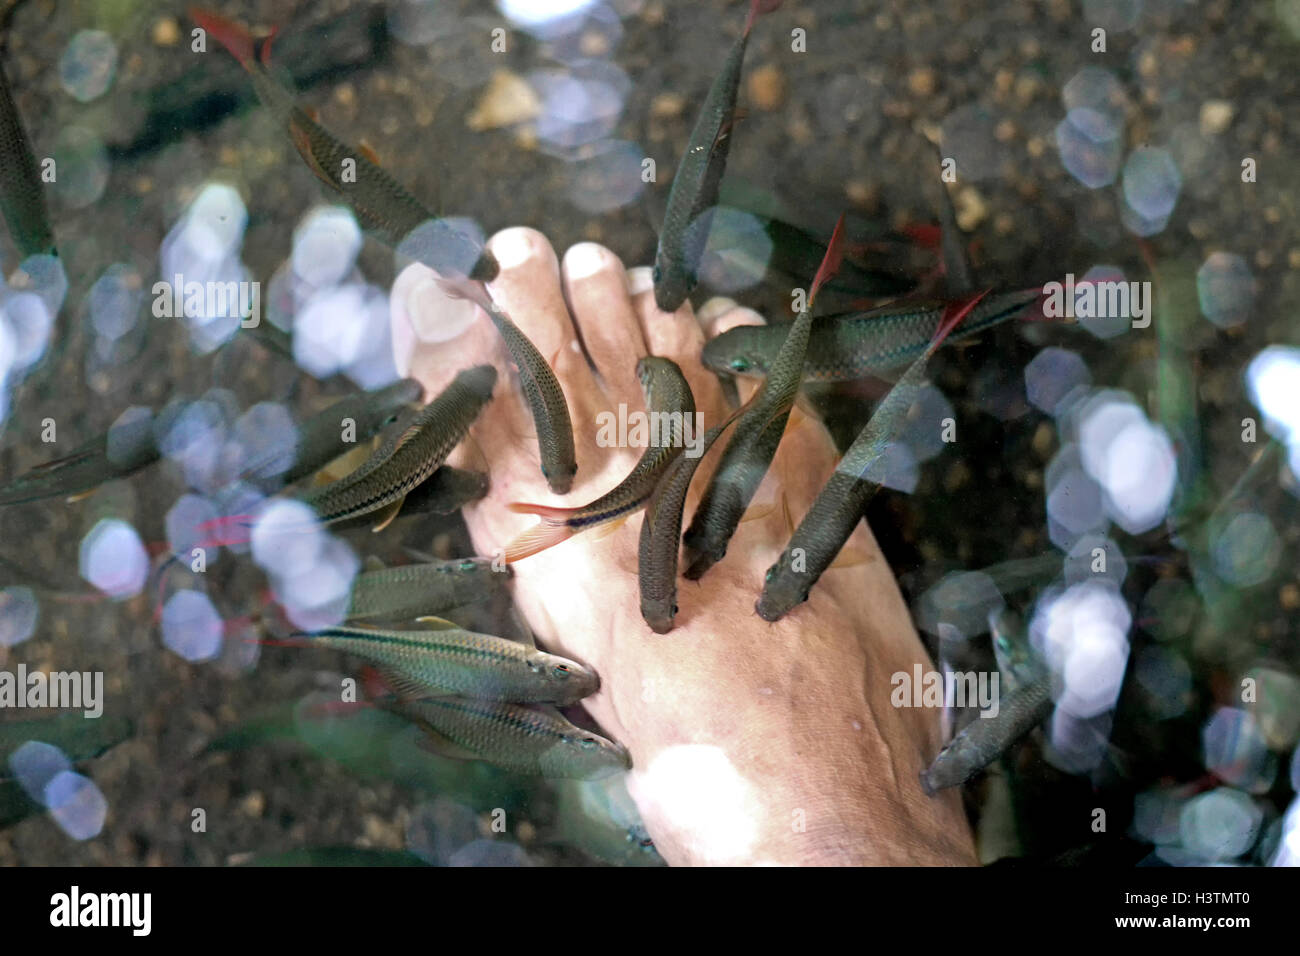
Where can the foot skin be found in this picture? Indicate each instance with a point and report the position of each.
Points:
(751, 742)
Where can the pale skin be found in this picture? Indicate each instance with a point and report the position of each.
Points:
(751, 742)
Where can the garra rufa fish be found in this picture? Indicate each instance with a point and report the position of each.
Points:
(442, 659)
(320, 439)
(839, 506)
(124, 450)
(856, 345)
(694, 192)
(668, 398)
(22, 195)
(386, 477)
(524, 739)
(757, 434)
(411, 591)
(985, 739)
(661, 533)
(542, 391)
(383, 206)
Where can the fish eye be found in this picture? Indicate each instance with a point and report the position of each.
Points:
(739, 364)
(561, 670)
(657, 274)
(769, 575)
(674, 608)
(589, 743)
(467, 565)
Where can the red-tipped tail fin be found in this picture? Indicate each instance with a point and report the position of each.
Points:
(550, 531)
(235, 37)
(831, 262)
(953, 313)
(265, 53)
(756, 9)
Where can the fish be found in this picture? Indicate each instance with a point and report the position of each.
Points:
(541, 389)
(445, 492)
(854, 345)
(694, 193)
(416, 590)
(839, 506)
(320, 438)
(22, 195)
(406, 462)
(383, 206)
(516, 737)
(667, 393)
(757, 435)
(444, 659)
(661, 532)
(985, 739)
(125, 449)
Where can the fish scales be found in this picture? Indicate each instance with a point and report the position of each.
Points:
(520, 738)
(855, 345)
(985, 739)
(389, 475)
(445, 659)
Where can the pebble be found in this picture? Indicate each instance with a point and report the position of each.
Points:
(1288, 596)
(166, 32)
(922, 82)
(970, 207)
(508, 99)
(1215, 116)
(767, 87)
(667, 105)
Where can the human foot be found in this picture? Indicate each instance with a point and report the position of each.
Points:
(751, 742)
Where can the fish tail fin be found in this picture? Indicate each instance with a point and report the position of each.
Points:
(265, 53)
(831, 261)
(235, 37)
(550, 531)
(953, 313)
(756, 9)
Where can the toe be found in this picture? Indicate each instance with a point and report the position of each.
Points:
(677, 336)
(595, 284)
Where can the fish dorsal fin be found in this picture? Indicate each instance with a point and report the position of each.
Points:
(368, 151)
(302, 141)
(432, 623)
(373, 563)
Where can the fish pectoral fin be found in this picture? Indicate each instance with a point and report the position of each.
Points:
(81, 495)
(373, 563)
(390, 512)
(786, 515)
(432, 623)
(609, 527)
(851, 558)
(421, 556)
(302, 142)
(368, 151)
(432, 742)
(757, 512)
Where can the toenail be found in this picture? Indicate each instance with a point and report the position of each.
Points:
(512, 247)
(640, 280)
(434, 316)
(583, 260)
